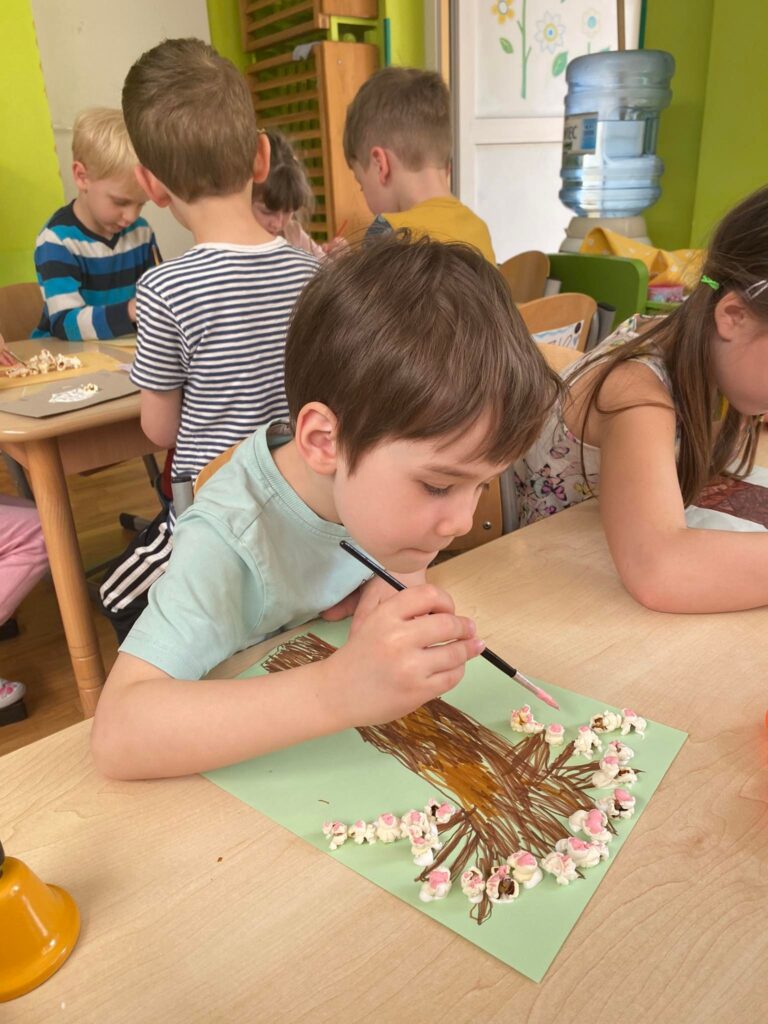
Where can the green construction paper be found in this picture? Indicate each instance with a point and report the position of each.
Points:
(343, 778)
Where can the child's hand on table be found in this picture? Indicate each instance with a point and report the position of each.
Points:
(407, 651)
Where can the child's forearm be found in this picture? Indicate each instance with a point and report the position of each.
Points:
(93, 323)
(693, 570)
(158, 727)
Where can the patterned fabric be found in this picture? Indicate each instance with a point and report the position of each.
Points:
(87, 281)
(549, 478)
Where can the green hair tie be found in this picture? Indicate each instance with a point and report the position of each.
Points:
(710, 282)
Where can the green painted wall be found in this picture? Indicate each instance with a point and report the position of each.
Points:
(406, 20)
(30, 184)
(670, 26)
(224, 23)
(734, 141)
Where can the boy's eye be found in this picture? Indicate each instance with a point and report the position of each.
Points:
(436, 492)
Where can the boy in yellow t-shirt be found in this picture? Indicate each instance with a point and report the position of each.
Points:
(397, 140)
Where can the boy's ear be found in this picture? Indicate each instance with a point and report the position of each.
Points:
(380, 160)
(262, 159)
(730, 316)
(155, 189)
(80, 174)
(315, 438)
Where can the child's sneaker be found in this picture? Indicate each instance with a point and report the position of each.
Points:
(12, 706)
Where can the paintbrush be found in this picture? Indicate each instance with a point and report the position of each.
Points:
(488, 654)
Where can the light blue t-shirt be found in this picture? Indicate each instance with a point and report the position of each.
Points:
(250, 559)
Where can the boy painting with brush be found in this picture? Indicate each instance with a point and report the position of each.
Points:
(411, 382)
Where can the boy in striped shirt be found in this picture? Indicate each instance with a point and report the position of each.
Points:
(91, 253)
(212, 323)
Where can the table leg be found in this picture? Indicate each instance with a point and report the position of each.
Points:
(52, 499)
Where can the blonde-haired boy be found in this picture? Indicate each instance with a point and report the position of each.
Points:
(398, 142)
(91, 253)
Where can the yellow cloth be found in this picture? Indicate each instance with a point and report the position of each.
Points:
(446, 220)
(681, 266)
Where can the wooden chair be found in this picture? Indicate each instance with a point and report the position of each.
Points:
(556, 311)
(21, 306)
(526, 274)
(559, 357)
(214, 466)
(613, 280)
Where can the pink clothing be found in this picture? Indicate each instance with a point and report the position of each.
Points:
(296, 236)
(23, 558)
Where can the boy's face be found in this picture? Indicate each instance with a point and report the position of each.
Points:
(407, 500)
(376, 193)
(110, 204)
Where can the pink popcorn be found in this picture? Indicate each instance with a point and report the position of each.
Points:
(583, 854)
(361, 832)
(473, 885)
(633, 721)
(501, 886)
(561, 866)
(414, 823)
(586, 741)
(619, 750)
(441, 813)
(336, 833)
(387, 828)
(525, 869)
(437, 885)
(620, 804)
(554, 734)
(608, 721)
(591, 823)
(522, 720)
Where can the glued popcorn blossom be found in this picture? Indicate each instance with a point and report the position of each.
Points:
(473, 884)
(525, 869)
(561, 867)
(633, 722)
(592, 823)
(437, 886)
(609, 721)
(501, 887)
(336, 833)
(522, 720)
(586, 741)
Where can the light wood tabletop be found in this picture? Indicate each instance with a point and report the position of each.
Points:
(50, 449)
(196, 908)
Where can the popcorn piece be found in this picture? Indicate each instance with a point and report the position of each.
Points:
(625, 777)
(607, 773)
(522, 720)
(583, 854)
(586, 741)
(632, 721)
(620, 804)
(555, 734)
(592, 823)
(609, 721)
(414, 823)
(360, 832)
(336, 833)
(525, 869)
(422, 849)
(620, 750)
(387, 828)
(561, 866)
(44, 362)
(473, 885)
(501, 886)
(440, 813)
(437, 885)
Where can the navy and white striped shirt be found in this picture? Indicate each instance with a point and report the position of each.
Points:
(214, 322)
(87, 281)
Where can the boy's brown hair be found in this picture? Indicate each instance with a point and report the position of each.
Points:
(191, 120)
(412, 339)
(405, 110)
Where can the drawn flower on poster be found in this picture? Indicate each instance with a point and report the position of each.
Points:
(590, 22)
(550, 32)
(503, 10)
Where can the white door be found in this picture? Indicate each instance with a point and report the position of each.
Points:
(508, 81)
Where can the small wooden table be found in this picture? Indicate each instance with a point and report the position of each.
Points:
(50, 449)
(196, 908)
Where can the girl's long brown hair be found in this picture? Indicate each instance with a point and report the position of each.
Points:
(737, 260)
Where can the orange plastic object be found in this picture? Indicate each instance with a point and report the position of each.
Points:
(39, 926)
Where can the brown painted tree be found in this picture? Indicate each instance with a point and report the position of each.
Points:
(510, 795)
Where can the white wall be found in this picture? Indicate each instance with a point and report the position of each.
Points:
(86, 49)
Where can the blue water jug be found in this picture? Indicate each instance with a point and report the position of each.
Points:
(610, 167)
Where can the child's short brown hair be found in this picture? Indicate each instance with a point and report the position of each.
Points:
(405, 110)
(411, 339)
(191, 120)
(100, 142)
(286, 188)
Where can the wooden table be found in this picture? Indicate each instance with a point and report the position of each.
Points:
(50, 449)
(198, 909)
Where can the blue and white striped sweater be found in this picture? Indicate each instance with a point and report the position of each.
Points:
(87, 281)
